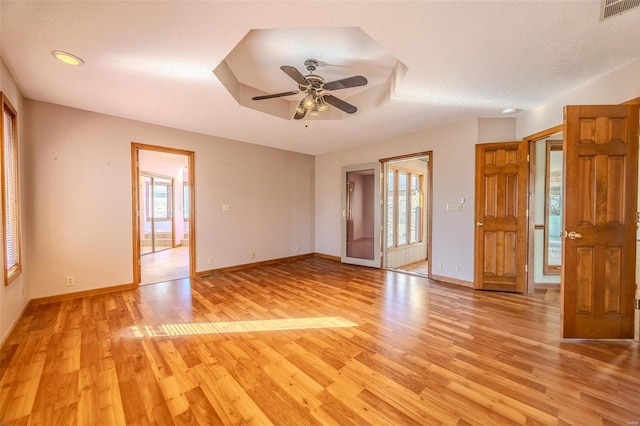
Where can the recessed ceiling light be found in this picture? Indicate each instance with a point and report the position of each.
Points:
(67, 58)
(509, 110)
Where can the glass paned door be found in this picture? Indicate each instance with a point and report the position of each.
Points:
(156, 219)
(361, 214)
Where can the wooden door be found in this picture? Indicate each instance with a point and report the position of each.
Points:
(599, 221)
(501, 216)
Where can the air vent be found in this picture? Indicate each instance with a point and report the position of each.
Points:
(611, 8)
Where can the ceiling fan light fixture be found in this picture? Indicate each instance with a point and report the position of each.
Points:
(322, 106)
(314, 110)
(308, 101)
(300, 108)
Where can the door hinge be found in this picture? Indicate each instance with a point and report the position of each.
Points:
(638, 304)
(527, 158)
(526, 268)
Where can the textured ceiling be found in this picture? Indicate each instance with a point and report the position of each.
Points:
(153, 61)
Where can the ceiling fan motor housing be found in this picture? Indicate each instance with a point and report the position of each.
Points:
(316, 83)
(311, 65)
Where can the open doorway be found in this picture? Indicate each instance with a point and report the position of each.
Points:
(545, 219)
(407, 213)
(163, 220)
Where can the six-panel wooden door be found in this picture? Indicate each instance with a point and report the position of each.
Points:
(501, 216)
(599, 221)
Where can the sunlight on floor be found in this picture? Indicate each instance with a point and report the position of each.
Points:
(190, 329)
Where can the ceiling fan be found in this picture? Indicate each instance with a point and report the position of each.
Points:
(317, 92)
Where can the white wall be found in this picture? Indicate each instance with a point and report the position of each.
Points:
(14, 297)
(79, 198)
(453, 178)
(614, 88)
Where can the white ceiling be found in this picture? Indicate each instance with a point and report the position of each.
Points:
(153, 61)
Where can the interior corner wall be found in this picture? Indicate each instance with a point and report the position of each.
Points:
(501, 129)
(80, 207)
(614, 88)
(14, 297)
(453, 165)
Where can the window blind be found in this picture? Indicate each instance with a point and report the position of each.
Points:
(10, 193)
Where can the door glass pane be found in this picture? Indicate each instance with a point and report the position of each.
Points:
(185, 201)
(390, 208)
(161, 200)
(554, 209)
(403, 222)
(415, 209)
(360, 214)
(156, 207)
(162, 208)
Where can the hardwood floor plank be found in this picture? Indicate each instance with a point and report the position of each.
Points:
(413, 352)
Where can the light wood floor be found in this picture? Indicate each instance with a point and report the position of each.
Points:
(420, 267)
(164, 265)
(311, 342)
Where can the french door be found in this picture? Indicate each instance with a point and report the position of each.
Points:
(361, 212)
(156, 201)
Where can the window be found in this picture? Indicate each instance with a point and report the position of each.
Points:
(404, 207)
(159, 198)
(553, 208)
(10, 203)
(185, 200)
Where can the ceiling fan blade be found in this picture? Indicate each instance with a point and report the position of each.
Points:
(345, 83)
(295, 74)
(340, 104)
(299, 115)
(275, 95)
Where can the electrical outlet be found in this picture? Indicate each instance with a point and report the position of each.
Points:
(458, 268)
(253, 254)
(210, 261)
(440, 265)
(71, 281)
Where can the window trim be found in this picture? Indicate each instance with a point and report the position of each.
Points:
(11, 273)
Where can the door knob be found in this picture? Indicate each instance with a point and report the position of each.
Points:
(479, 224)
(572, 235)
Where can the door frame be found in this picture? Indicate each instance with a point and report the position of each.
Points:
(428, 202)
(135, 205)
(531, 220)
